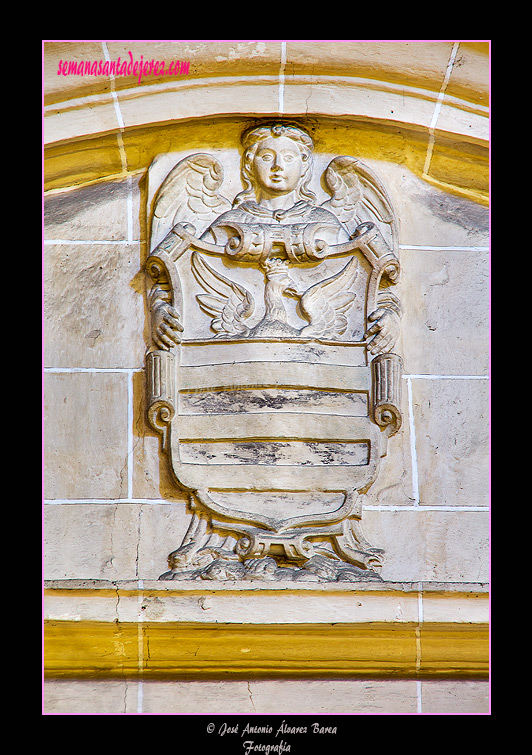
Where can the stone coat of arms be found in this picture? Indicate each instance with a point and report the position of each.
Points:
(271, 378)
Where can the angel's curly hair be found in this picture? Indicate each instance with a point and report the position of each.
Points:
(251, 140)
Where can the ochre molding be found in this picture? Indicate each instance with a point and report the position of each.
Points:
(96, 649)
(457, 166)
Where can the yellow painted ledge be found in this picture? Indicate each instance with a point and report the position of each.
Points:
(456, 166)
(97, 649)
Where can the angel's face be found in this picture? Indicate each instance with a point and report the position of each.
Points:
(278, 165)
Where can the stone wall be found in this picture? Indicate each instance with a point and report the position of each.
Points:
(112, 511)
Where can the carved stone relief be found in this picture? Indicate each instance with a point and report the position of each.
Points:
(272, 378)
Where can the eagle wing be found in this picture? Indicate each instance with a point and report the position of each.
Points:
(225, 302)
(326, 303)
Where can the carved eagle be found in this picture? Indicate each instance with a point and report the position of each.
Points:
(324, 304)
(226, 302)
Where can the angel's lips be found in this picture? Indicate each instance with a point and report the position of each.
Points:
(277, 178)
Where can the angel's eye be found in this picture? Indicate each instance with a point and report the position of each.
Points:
(266, 156)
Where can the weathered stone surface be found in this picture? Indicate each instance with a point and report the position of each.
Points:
(446, 321)
(98, 158)
(432, 217)
(97, 212)
(432, 545)
(287, 698)
(86, 324)
(452, 455)
(420, 63)
(422, 545)
(106, 211)
(255, 602)
(325, 697)
(206, 58)
(59, 86)
(85, 435)
(90, 540)
(89, 697)
(160, 523)
(455, 697)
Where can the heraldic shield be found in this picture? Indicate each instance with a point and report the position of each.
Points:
(271, 378)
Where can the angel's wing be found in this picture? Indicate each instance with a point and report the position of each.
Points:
(232, 304)
(189, 194)
(358, 196)
(326, 303)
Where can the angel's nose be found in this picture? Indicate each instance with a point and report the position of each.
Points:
(278, 163)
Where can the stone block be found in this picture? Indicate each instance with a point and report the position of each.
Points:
(73, 163)
(197, 697)
(365, 100)
(207, 58)
(80, 122)
(420, 64)
(424, 545)
(90, 697)
(334, 697)
(276, 697)
(431, 545)
(455, 697)
(431, 217)
(471, 161)
(268, 697)
(446, 304)
(261, 604)
(96, 212)
(85, 435)
(91, 541)
(469, 78)
(466, 607)
(452, 455)
(93, 306)
(247, 96)
(56, 85)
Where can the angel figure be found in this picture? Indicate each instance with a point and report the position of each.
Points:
(276, 171)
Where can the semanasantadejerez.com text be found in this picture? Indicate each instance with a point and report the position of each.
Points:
(123, 68)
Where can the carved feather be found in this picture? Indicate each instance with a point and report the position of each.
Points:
(225, 301)
(326, 303)
(189, 194)
(358, 196)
